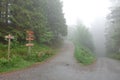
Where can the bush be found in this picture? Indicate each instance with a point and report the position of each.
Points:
(84, 56)
(39, 56)
(14, 63)
(3, 62)
(3, 50)
(10, 63)
(20, 58)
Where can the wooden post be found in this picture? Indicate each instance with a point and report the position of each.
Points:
(9, 37)
(9, 42)
(30, 37)
(29, 48)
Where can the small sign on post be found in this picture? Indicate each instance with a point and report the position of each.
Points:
(9, 37)
(30, 37)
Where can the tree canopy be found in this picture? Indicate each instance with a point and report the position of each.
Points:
(113, 30)
(44, 17)
(82, 36)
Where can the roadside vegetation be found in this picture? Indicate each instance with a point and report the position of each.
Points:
(84, 55)
(84, 47)
(114, 55)
(20, 57)
(113, 32)
(44, 18)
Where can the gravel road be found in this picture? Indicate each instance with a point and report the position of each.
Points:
(65, 67)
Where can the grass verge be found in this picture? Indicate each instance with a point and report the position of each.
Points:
(84, 55)
(21, 59)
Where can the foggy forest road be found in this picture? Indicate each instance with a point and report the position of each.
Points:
(65, 67)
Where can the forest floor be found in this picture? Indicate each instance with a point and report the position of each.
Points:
(65, 67)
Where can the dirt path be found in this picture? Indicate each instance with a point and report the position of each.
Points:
(65, 67)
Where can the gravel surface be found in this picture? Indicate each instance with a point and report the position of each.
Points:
(65, 67)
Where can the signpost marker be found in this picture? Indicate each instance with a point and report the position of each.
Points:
(30, 37)
(9, 37)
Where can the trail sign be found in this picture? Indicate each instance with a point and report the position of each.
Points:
(29, 44)
(9, 37)
(29, 38)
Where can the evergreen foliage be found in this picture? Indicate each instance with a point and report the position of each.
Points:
(44, 17)
(113, 30)
(84, 47)
(82, 37)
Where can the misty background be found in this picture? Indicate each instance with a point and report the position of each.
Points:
(98, 32)
(93, 15)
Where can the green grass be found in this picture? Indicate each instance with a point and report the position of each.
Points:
(14, 63)
(84, 55)
(20, 58)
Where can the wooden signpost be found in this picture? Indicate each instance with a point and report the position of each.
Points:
(9, 37)
(29, 38)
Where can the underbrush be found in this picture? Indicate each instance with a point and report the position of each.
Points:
(20, 58)
(84, 56)
(114, 56)
(13, 64)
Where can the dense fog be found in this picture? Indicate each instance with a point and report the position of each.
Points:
(98, 32)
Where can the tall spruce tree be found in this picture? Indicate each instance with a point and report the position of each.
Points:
(55, 17)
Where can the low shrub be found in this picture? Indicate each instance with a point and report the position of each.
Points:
(12, 64)
(19, 57)
(84, 56)
(39, 56)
